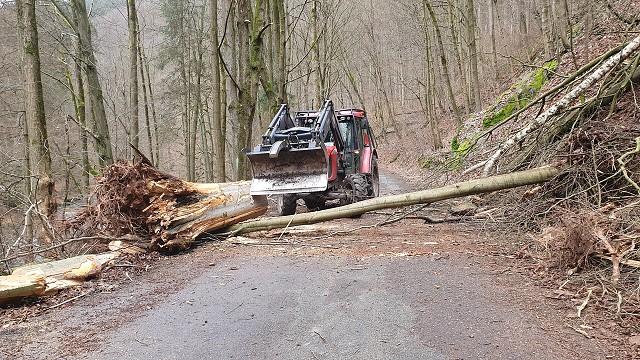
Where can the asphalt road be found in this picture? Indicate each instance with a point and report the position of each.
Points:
(335, 308)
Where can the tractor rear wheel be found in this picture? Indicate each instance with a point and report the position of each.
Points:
(375, 180)
(356, 187)
(286, 204)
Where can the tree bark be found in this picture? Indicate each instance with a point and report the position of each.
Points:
(280, 19)
(40, 156)
(134, 122)
(494, 183)
(216, 107)
(250, 27)
(88, 59)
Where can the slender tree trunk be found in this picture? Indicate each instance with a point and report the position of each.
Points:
(281, 53)
(443, 62)
(82, 118)
(145, 98)
(250, 55)
(547, 29)
(473, 54)
(98, 113)
(80, 106)
(154, 119)
(246, 104)
(196, 118)
(493, 15)
(233, 89)
(28, 187)
(134, 121)
(40, 156)
(223, 122)
(432, 120)
(317, 70)
(479, 186)
(564, 23)
(216, 107)
(455, 36)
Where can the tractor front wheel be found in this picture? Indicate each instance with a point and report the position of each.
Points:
(314, 204)
(286, 204)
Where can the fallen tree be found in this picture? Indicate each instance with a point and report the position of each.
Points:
(50, 277)
(565, 101)
(166, 213)
(494, 183)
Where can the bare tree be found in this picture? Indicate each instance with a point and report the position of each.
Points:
(219, 173)
(96, 98)
(134, 131)
(470, 25)
(40, 155)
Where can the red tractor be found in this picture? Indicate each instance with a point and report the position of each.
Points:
(316, 156)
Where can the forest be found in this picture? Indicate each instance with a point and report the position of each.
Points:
(190, 83)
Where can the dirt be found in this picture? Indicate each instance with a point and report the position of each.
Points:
(488, 275)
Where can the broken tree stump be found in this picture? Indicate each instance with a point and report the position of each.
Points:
(136, 198)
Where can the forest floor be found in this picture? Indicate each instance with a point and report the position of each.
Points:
(349, 288)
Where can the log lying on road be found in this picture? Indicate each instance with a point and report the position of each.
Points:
(494, 183)
(50, 277)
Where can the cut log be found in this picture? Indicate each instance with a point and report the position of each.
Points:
(50, 277)
(494, 183)
(18, 286)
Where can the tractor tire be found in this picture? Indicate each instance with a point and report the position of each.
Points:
(356, 187)
(374, 188)
(286, 204)
(314, 204)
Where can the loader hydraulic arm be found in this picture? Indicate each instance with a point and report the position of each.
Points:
(326, 125)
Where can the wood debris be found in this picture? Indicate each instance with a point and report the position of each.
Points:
(50, 277)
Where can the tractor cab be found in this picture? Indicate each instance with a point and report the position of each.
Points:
(358, 139)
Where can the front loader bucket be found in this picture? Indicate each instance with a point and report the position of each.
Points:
(291, 171)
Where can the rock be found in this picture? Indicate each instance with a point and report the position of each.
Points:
(463, 208)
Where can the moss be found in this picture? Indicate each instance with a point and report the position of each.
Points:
(459, 150)
(508, 103)
(526, 90)
(455, 143)
(93, 171)
(426, 162)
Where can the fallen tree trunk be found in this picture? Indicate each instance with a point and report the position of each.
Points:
(562, 103)
(50, 277)
(498, 182)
